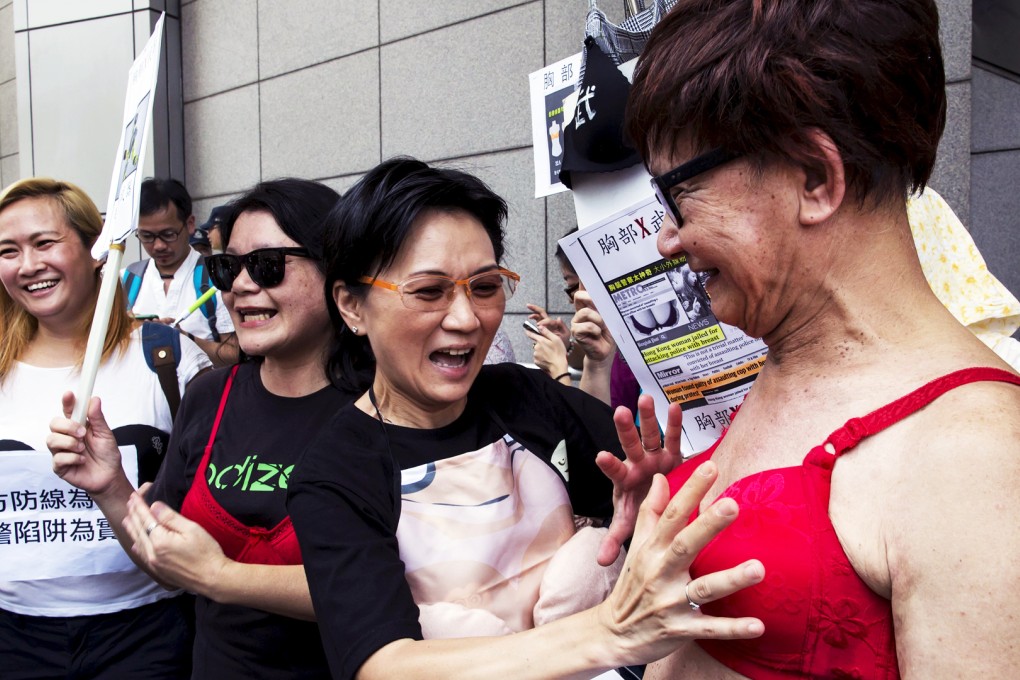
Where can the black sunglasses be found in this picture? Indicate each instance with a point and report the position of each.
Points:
(663, 184)
(266, 266)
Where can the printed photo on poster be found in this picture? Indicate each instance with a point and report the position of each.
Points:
(134, 137)
(554, 116)
(661, 318)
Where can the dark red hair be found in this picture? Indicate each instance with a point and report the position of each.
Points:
(757, 76)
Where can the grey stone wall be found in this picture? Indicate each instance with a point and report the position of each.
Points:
(9, 160)
(995, 173)
(952, 169)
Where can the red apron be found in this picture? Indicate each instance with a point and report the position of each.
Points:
(241, 543)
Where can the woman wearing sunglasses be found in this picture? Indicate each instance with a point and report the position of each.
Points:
(217, 524)
(442, 503)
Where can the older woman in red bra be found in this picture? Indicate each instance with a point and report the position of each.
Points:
(875, 459)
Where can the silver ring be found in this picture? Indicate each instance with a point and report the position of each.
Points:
(658, 447)
(690, 603)
(148, 530)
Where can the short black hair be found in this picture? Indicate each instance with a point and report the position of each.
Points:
(158, 192)
(758, 77)
(297, 205)
(367, 228)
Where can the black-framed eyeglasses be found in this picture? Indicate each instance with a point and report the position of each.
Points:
(266, 266)
(663, 184)
(433, 293)
(166, 236)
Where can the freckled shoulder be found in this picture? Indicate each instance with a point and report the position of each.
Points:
(951, 534)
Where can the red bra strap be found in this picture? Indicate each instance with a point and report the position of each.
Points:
(856, 429)
(223, 405)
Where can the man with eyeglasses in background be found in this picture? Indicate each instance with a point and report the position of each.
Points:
(165, 285)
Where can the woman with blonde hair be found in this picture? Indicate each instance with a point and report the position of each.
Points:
(99, 615)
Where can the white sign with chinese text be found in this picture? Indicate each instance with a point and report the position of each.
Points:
(48, 528)
(549, 87)
(122, 205)
(659, 314)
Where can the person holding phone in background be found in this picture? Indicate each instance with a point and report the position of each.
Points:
(585, 344)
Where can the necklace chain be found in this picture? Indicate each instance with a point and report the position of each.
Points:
(375, 405)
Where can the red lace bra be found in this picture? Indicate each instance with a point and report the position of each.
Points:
(821, 619)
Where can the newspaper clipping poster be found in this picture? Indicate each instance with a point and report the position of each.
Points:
(659, 314)
(549, 87)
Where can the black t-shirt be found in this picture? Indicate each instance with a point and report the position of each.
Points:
(345, 506)
(260, 438)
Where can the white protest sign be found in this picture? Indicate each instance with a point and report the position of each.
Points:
(122, 205)
(48, 528)
(656, 308)
(659, 314)
(549, 87)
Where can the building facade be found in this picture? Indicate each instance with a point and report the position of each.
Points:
(325, 89)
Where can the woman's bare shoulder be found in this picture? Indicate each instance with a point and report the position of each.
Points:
(949, 526)
(985, 413)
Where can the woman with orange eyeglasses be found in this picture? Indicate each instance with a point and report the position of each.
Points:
(444, 502)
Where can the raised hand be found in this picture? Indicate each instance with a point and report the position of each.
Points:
(550, 355)
(649, 608)
(647, 453)
(174, 550)
(589, 329)
(557, 326)
(85, 456)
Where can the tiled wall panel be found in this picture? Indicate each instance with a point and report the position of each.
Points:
(221, 136)
(294, 34)
(461, 90)
(322, 121)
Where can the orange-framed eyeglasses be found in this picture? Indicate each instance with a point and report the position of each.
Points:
(433, 292)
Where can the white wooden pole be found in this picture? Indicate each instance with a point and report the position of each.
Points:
(97, 334)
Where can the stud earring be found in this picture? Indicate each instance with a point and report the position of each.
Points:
(354, 329)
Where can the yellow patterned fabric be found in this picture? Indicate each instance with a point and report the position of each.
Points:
(959, 277)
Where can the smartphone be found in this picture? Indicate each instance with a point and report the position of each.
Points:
(146, 317)
(530, 325)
